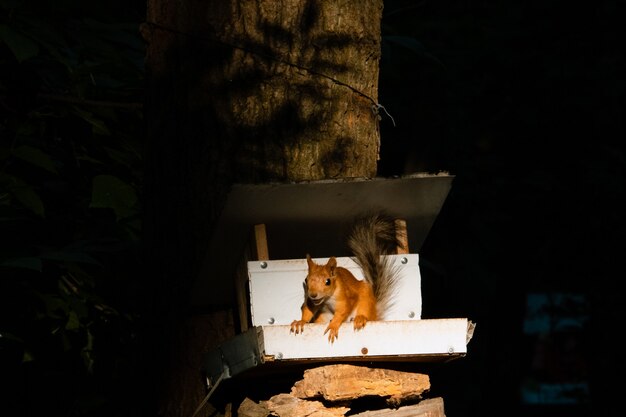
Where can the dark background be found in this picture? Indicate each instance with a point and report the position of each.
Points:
(522, 101)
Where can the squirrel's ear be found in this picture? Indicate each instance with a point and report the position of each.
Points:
(332, 262)
(309, 261)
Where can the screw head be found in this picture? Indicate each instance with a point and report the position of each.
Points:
(364, 350)
(404, 260)
(411, 314)
(271, 320)
(263, 264)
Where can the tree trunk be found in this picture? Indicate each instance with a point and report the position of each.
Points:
(244, 91)
(301, 80)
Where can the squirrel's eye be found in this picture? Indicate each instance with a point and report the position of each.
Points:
(327, 282)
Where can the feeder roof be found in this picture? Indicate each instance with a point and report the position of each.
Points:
(312, 217)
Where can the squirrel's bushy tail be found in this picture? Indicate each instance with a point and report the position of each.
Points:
(371, 236)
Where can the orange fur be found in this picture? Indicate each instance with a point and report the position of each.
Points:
(333, 290)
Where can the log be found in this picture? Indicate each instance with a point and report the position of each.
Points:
(249, 408)
(348, 382)
(286, 405)
(432, 407)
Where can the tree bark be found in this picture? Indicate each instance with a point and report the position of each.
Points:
(292, 85)
(244, 91)
(310, 73)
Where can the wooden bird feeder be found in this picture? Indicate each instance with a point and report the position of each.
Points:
(290, 220)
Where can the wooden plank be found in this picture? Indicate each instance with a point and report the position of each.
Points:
(260, 239)
(260, 349)
(446, 338)
(256, 249)
(242, 293)
(431, 407)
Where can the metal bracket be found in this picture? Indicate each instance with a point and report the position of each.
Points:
(234, 356)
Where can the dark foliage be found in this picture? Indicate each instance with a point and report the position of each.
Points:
(70, 180)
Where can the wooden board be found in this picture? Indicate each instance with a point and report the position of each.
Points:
(443, 337)
(266, 347)
(431, 407)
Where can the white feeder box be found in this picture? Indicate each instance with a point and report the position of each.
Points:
(276, 295)
(276, 291)
(312, 218)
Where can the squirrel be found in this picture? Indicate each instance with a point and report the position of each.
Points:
(332, 290)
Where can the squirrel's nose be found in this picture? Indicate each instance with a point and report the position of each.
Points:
(313, 295)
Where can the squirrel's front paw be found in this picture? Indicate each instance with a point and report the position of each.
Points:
(297, 326)
(333, 332)
(359, 322)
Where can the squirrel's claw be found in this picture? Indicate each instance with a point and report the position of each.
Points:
(359, 322)
(333, 333)
(297, 326)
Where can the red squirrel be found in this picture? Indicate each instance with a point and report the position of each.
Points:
(334, 290)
